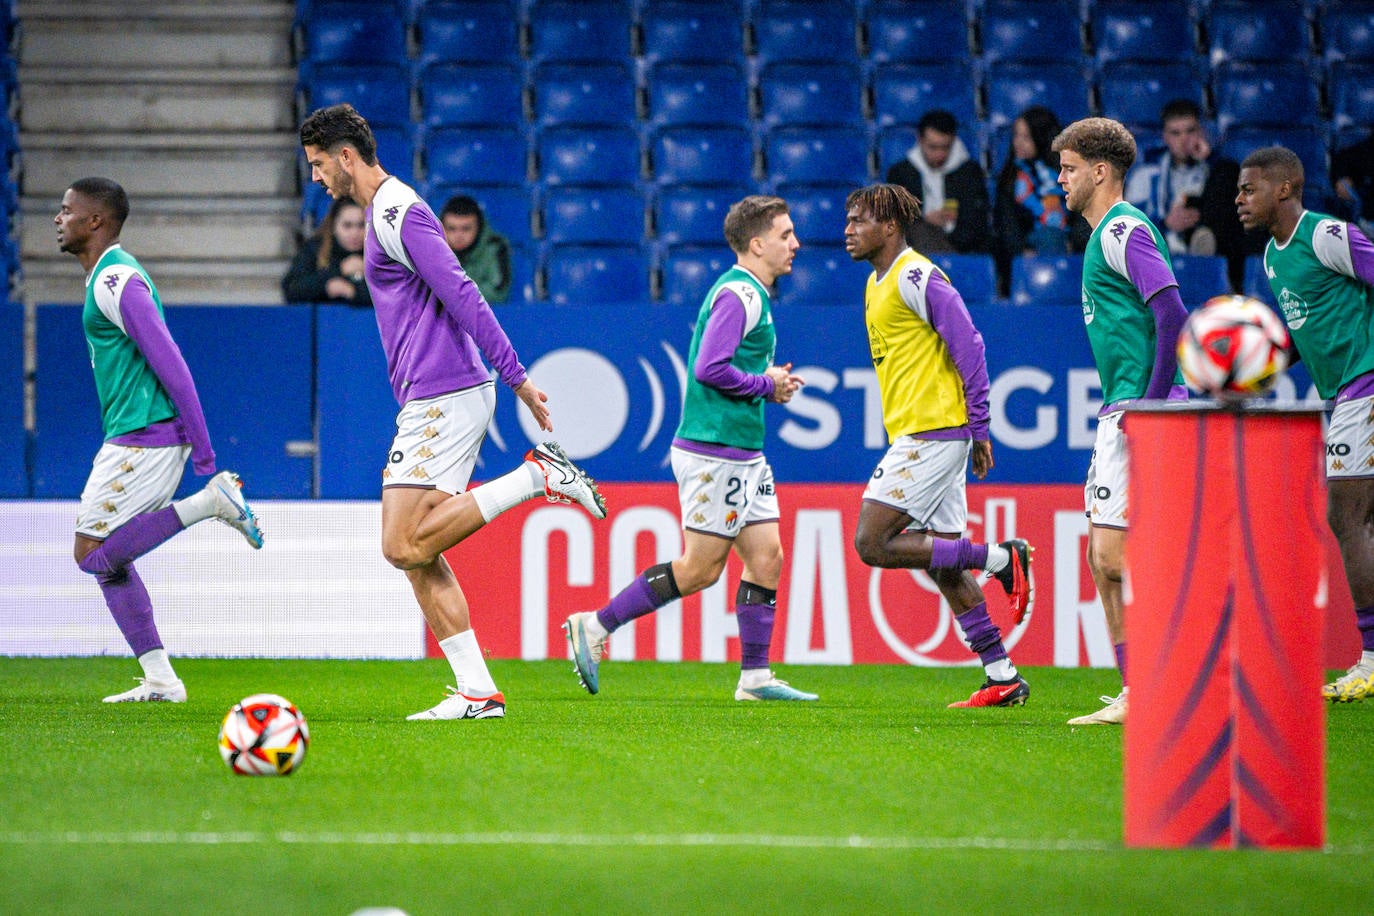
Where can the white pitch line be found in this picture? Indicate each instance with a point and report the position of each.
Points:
(644, 840)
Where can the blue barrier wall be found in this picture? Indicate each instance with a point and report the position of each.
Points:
(14, 477)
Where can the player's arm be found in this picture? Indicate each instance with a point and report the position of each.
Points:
(1152, 277)
(1343, 248)
(947, 314)
(145, 327)
(726, 326)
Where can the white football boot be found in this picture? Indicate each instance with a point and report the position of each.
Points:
(151, 692)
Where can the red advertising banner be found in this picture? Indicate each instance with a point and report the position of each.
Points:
(524, 573)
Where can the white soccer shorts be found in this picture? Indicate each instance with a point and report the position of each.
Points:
(127, 481)
(925, 478)
(1104, 493)
(722, 497)
(1350, 439)
(437, 440)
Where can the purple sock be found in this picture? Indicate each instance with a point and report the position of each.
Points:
(128, 601)
(1120, 650)
(960, 554)
(634, 600)
(982, 634)
(1364, 617)
(754, 609)
(132, 540)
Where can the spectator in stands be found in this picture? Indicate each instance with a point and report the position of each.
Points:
(483, 252)
(329, 266)
(950, 185)
(1352, 175)
(1188, 189)
(1029, 216)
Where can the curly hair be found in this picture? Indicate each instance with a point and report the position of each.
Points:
(1099, 140)
(886, 203)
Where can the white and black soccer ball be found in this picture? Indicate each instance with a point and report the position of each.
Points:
(264, 735)
(1232, 348)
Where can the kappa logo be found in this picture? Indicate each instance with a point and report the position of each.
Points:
(386, 473)
(100, 526)
(112, 281)
(913, 454)
(914, 277)
(433, 413)
(424, 452)
(1118, 229)
(703, 498)
(430, 432)
(127, 467)
(1334, 230)
(905, 474)
(698, 518)
(1338, 465)
(706, 477)
(897, 493)
(116, 486)
(109, 506)
(418, 473)
(389, 214)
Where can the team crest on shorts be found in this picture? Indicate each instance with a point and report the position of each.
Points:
(731, 519)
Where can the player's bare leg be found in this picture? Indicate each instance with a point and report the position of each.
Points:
(1106, 549)
(420, 524)
(1350, 513)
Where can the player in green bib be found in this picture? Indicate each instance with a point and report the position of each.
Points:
(152, 422)
(1321, 271)
(1133, 314)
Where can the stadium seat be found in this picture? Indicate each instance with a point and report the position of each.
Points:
(1255, 31)
(579, 31)
(468, 31)
(1351, 90)
(1347, 32)
(702, 155)
(1150, 30)
(817, 94)
(1256, 282)
(354, 33)
(1047, 280)
(901, 32)
(695, 215)
(824, 275)
(1025, 30)
(1255, 95)
(380, 92)
(470, 95)
(470, 156)
(689, 271)
(817, 211)
(507, 207)
(1307, 142)
(904, 92)
(811, 155)
(522, 287)
(588, 155)
(1135, 93)
(1199, 277)
(1012, 88)
(586, 274)
(698, 94)
(683, 32)
(603, 216)
(973, 275)
(583, 94)
(793, 32)
(396, 148)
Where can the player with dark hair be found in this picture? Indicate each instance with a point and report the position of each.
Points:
(725, 485)
(152, 421)
(933, 379)
(1133, 313)
(433, 322)
(1321, 270)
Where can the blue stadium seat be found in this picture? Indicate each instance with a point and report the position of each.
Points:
(695, 215)
(468, 31)
(522, 286)
(595, 274)
(818, 213)
(1256, 282)
(354, 33)
(1199, 277)
(1150, 30)
(902, 32)
(1134, 92)
(1047, 280)
(1012, 88)
(689, 271)
(581, 31)
(471, 156)
(1024, 30)
(698, 94)
(1256, 30)
(603, 216)
(583, 94)
(702, 155)
(396, 149)
(1347, 32)
(973, 275)
(811, 155)
(824, 275)
(588, 155)
(1351, 89)
(470, 95)
(690, 32)
(793, 94)
(1307, 142)
(902, 93)
(380, 92)
(1255, 95)
(507, 207)
(790, 32)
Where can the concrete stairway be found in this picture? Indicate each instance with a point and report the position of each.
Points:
(189, 105)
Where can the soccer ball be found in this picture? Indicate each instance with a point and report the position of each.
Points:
(1233, 348)
(264, 735)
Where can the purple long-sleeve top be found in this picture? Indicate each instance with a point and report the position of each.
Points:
(145, 327)
(433, 320)
(1155, 282)
(949, 317)
(723, 334)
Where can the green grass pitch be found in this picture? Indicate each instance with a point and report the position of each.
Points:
(661, 794)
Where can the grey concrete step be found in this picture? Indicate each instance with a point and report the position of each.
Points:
(187, 282)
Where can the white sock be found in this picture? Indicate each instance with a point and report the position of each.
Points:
(998, 558)
(157, 667)
(1001, 670)
(509, 490)
(1367, 657)
(197, 507)
(594, 628)
(465, 656)
(754, 677)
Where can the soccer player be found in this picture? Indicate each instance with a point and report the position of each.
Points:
(152, 421)
(1321, 270)
(725, 485)
(1133, 313)
(433, 321)
(933, 380)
